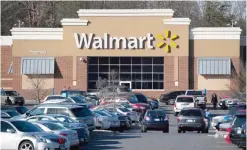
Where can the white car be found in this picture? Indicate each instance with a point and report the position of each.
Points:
(114, 121)
(101, 121)
(57, 101)
(22, 135)
(71, 135)
(183, 101)
(52, 97)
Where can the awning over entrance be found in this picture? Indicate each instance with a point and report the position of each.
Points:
(214, 66)
(37, 65)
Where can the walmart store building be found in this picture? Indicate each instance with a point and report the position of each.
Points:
(151, 51)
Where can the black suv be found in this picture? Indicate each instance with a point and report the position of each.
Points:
(171, 96)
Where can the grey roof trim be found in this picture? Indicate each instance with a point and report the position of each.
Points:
(214, 66)
(37, 65)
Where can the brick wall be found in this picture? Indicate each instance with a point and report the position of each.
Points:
(81, 73)
(6, 59)
(17, 79)
(63, 73)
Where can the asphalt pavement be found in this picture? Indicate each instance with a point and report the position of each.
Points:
(134, 139)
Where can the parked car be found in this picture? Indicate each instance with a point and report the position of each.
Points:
(242, 140)
(226, 118)
(155, 120)
(153, 104)
(200, 98)
(232, 102)
(69, 93)
(191, 119)
(238, 121)
(25, 135)
(183, 101)
(78, 113)
(53, 127)
(101, 121)
(19, 109)
(166, 98)
(11, 97)
(7, 114)
(141, 98)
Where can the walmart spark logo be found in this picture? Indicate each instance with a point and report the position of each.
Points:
(168, 41)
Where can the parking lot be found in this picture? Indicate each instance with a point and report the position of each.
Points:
(134, 139)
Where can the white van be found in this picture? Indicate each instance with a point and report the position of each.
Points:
(183, 101)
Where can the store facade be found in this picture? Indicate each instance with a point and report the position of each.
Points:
(149, 50)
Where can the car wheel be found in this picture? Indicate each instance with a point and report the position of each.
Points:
(166, 131)
(198, 131)
(26, 145)
(179, 131)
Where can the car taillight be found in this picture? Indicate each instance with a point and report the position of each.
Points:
(147, 118)
(229, 130)
(61, 140)
(63, 134)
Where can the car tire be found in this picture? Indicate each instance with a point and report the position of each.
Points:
(206, 130)
(26, 144)
(144, 129)
(179, 131)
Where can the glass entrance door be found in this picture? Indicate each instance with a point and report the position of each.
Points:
(126, 83)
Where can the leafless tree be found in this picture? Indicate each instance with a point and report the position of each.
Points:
(37, 83)
(238, 82)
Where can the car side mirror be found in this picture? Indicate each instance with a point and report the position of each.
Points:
(10, 131)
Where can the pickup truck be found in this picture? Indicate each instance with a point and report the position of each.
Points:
(201, 99)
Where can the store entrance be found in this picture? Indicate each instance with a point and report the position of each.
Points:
(126, 83)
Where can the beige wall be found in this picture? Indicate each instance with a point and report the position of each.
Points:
(213, 82)
(216, 48)
(115, 26)
(47, 81)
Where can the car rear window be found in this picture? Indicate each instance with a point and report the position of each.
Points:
(196, 113)
(156, 113)
(239, 121)
(53, 126)
(81, 112)
(124, 109)
(12, 113)
(141, 98)
(185, 99)
(55, 97)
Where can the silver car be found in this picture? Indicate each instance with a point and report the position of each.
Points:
(52, 127)
(22, 135)
(191, 119)
(11, 97)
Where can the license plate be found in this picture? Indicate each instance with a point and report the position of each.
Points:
(157, 119)
(190, 120)
(62, 146)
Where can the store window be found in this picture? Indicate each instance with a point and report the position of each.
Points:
(142, 72)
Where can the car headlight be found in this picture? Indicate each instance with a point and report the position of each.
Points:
(42, 139)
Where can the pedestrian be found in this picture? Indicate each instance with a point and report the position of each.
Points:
(214, 100)
(64, 88)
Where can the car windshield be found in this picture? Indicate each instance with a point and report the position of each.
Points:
(156, 113)
(141, 98)
(185, 99)
(55, 97)
(24, 126)
(12, 113)
(194, 93)
(196, 113)
(124, 109)
(239, 121)
(53, 126)
(78, 99)
(81, 112)
(21, 110)
(65, 119)
(11, 93)
(133, 99)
